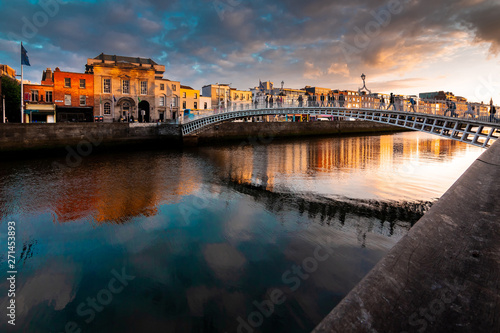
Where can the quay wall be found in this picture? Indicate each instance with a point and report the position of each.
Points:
(243, 130)
(16, 138)
(35, 137)
(444, 275)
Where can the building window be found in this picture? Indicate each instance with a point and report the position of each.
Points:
(144, 87)
(83, 100)
(67, 82)
(195, 105)
(34, 95)
(162, 86)
(174, 88)
(184, 104)
(183, 95)
(195, 95)
(126, 86)
(162, 100)
(106, 86)
(48, 96)
(174, 102)
(67, 99)
(82, 83)
(206, 106)
(107, 108)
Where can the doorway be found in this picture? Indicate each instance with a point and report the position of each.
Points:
(143, 112)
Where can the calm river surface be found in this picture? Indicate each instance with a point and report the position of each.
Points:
(202, 240)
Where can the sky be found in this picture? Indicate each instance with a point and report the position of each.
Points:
(402, 46)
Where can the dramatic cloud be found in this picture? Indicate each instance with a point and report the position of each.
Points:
(318, 42)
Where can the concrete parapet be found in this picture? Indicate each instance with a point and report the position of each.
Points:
(444, 276)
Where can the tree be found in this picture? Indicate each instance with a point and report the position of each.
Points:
(11, 89)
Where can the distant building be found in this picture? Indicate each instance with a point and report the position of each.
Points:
(317, 90)
(219, 93)
(7, 71)
(190, 98)
(205, 103)
(240, 96)
(167, 94)
(437, 95)
(124, 87)
(74, 96)
(38, 100)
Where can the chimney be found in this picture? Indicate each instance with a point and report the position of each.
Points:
(48, 76)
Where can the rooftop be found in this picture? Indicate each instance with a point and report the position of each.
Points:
(123, 59)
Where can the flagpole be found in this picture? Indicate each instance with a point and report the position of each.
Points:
(22, 77)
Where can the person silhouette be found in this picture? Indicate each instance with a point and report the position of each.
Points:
(392, 102)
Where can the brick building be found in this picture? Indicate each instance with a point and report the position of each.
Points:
(39, 100)
(74, 96)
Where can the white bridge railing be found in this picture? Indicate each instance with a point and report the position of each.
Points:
(458, 124)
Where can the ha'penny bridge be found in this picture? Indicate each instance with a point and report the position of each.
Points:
(476, 128)
(444, 275)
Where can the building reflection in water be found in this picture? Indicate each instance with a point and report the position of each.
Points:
(368, 167)
(115, 189)
(102, 189)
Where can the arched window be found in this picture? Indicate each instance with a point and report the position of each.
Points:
(162, 100)
(107, 108)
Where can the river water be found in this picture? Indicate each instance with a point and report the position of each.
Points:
(257, 236)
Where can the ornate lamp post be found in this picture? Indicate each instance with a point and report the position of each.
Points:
(363, 77)
(360, 90)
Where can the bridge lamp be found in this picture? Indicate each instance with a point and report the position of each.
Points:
(363, 77)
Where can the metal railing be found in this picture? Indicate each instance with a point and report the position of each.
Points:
(460, 110)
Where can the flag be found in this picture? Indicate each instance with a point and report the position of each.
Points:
(114, 99)
(24, 56)
(139, 99)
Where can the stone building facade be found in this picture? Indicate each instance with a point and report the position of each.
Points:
(167, 99)
(125, 87)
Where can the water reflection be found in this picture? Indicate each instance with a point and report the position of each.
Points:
(405, 166)
(209, 232)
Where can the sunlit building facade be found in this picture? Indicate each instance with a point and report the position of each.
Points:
(125, 87)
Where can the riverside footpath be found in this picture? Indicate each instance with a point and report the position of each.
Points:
(444, 275)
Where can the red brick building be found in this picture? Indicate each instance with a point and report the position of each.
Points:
(39, 100)
(74, 96)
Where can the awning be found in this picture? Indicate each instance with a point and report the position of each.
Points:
(45, 112)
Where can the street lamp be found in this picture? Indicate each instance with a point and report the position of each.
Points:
(363, 77)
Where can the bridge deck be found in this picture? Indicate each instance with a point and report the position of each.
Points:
(480, 131)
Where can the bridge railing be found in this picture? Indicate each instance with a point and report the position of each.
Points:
(457, 109)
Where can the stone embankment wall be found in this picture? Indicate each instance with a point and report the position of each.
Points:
(444, 275)
(26, 137)
(242, 130)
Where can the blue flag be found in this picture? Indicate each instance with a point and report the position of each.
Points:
(24, 56)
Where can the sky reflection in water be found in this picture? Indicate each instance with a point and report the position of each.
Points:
(207, 232)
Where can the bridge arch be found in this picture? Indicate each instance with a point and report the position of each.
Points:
(476, 132)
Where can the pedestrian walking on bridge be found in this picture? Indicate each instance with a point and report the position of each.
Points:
(412, 104)
(493, 111)
(391, 102)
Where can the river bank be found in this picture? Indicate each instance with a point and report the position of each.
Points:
(36, 139)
